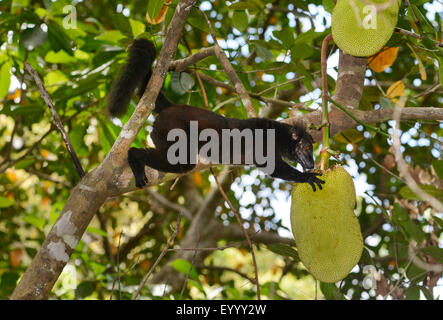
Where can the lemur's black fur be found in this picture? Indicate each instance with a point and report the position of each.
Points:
(291, 142)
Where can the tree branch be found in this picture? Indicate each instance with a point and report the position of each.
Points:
(183, 64)
(57, 120)
(239, 88)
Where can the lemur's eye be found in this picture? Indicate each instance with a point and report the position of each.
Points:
(308, 148)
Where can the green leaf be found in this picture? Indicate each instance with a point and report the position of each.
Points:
(84, 289)
(286, 36)
(97, 268)
(97, 231)
(438, 167)
(331, 292)
(407, 193)
(6, 202)
(425, 25)
(308, 36)
(415, 273)
(108, 136)
(59, 57)
(428, 294)
(58, 38)
(33, 37)
(258, 4)
(24, 110)
(197, 20)
(302, 51)
(56, 7)
(113, 36)
(37, 222)
(197, 285)
(440, 70)
(181, 82)
(55, 77)
(409, 226)
(399, 214)
(386, 103)
(137, 27)
(154, 7)
(81, 55)
(435, 252)
(8, 282)
(5, 76)
(244, 5)
(122, 23)
(439, 221)
(328, 5)
(284, 250)
(26, 162)
(240, 20)
(77, 139)
(184, 266)
(413, 230)
(269, 288)
(413, 293)
(263, 53)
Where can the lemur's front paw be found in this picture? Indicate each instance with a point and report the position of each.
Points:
(311, 178)
(141, 180)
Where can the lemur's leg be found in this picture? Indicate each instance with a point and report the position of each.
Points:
(138, 158)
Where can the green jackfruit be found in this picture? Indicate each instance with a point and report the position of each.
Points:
(326, 231)
(362, 27)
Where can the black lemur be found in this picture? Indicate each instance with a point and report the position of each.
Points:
(291, 142)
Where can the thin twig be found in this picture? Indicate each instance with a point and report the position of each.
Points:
(324, 153)
(47, 177)
(367, 126)
(13, 162)
(243, 229)
(189, 272)
(58, 122)
(11, 139)
(126, 272)
(253, 95)
(196, 73)
(403, 166)
(412, 11)
(371, 158)
(226, 64)
(397, 284)
(206, 249)
(412, 248)
(192, 59)
(28, 151)
(118, 270)
(414, 35)
(160, 257)
(217, 268)
(170, 205)
(283, 83)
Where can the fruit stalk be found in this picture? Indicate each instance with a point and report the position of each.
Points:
(324, 154)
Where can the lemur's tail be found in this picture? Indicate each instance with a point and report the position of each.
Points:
(135, 73)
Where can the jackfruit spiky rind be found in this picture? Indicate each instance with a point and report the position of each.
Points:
(353, 30)
(326, 231)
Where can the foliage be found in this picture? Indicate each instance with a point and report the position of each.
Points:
(268, 43)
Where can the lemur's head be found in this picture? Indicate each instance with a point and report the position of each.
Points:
(300, 147)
